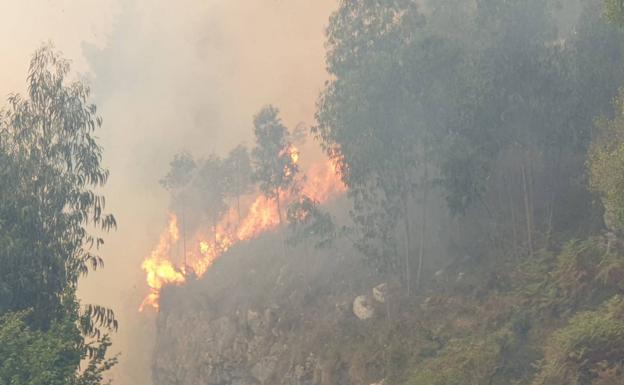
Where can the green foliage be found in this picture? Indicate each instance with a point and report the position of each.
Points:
(49, 201)
(606, 165)
(180, 173)
(51, 223)
(470, 361)
(591, 343)
(34, 357)
(198, 188)
(565, 298)
(307, 222)
(238, 174)
(275, 168)
(614, 11)
(467, 99)
(580, 276)
(210, 198)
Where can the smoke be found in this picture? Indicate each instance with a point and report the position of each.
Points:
(167, 76)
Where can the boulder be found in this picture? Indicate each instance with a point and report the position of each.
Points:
(380, 292)
(363, 307)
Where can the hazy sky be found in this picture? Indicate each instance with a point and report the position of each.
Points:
(167, 76)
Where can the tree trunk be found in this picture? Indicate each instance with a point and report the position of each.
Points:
(279, 214)
(238, 208)
(512, 209)
(531, 185)
(279, 207)
(421, 253)
(406, 222)
(527, 209)
(554, 187)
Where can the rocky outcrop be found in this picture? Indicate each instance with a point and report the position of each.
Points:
(244, 348)
(240, 325)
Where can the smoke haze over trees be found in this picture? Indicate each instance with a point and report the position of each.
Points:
(449, 211)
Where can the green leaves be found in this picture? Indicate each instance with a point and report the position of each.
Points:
(180, 172)
(606, 165)
(274, 157)
(587, 347)
(614, 11)
(50, 174)
(307, 222)
(52, 357)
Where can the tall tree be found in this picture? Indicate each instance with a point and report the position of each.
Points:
(462, 96)
(378, 120)
(238, 175)
(275, 165)
(51, 214)
(181, 172)
(210, 192)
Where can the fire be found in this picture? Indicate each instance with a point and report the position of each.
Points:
(160, 271)
(262, 217)
(322, 182)
(294, 154)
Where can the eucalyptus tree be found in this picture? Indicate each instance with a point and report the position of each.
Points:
(209, 192)
(50, 201)
(180, 173)
(275, 167)
(309, 224)
(52, 216)
(381, 116)
(182, 169)
(486, 101)
(533, 94)
(237, 176)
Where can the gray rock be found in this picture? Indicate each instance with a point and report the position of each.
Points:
(380, 292)
(363, 307)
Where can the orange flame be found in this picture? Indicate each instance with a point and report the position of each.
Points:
(322, 183)
(160, 271)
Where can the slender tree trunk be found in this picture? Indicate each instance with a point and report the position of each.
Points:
(531, 185)
(279, 207)
(421, 253)
(512, 209)
(406, 222)
(527, 209)
(238, 211)
(279, 214)
(554, 187)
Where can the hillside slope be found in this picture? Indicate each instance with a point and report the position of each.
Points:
(266, 317)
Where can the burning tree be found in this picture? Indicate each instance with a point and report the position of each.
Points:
(210, 192)
(274, 157)
(181, 171)
(237, 176)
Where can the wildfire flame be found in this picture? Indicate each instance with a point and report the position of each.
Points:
(322, 182)
(160, 271)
